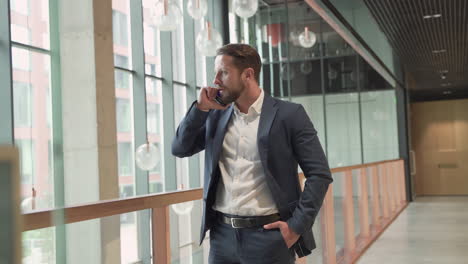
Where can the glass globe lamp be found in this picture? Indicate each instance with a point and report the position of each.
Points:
(245, 8)
(183, 208)
(208, 41)
(306, 67)
(197, 8)
(147, 156)
(166, 15)
(307, 38)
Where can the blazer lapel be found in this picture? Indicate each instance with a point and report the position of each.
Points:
(267, 116)
(220, 133)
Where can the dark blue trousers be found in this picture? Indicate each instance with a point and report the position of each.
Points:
(248, 246)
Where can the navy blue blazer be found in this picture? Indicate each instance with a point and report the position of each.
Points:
(286, 137)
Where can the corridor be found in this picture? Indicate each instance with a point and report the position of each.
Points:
(430, 230)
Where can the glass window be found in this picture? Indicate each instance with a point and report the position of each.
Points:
(178, 51)
(125, 151)
(121, 33)
(123, 112)
(31, 28)
(22, 104)
(21, 59)
(200, 61)
(152, 44)
(26, 148)
(31, 89)
(119, 26)
(153, 118)
(154, 130)
(122, 80)
(20, 6)
(20, 34)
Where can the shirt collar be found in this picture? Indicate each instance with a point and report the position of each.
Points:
(255, 108)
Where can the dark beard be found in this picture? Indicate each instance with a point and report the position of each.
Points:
(231, 96)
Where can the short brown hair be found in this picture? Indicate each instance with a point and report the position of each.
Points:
(243, 57)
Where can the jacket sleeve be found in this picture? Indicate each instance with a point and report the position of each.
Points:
(311, 157)
(190, 135)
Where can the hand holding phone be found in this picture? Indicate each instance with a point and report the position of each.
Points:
(210, 98)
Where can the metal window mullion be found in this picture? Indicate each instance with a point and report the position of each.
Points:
(140, 129)
(168, 111)
(6, 75)
(30, 48)
(286, 8)
(191, 91)
(57, 133)
(358, 82)
(322, 84)
(210, 60)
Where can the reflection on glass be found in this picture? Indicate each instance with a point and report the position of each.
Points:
(185, 236)
(379, 125)
(343, 131)
(39, 246)
(121, 33)
(338, 185)
(31, 89)
(27, 27)
(128, 238)
(178, 51)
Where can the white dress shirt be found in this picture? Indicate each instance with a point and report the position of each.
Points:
(242, 189)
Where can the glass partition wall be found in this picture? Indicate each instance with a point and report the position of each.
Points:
(351, 106)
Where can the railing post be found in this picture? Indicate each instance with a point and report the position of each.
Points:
(364, 203)
(327, 222)
(384, 190)
(348, 213)
(375, 196)
(391, 187)
(401, 174)
(397, 184)
(161, 235)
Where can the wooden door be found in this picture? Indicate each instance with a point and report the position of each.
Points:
(440, 143)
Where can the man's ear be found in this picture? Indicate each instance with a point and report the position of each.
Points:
(249, 73)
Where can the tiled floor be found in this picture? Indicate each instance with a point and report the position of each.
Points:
(430, 230)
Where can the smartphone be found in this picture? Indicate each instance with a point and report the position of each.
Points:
(219, 100)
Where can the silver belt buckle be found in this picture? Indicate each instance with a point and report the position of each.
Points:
(233, 220)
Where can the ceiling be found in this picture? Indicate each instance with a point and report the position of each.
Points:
(431, 39)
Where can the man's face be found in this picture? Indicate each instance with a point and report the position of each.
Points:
(228, 79)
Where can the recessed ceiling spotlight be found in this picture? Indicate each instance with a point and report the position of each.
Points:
(447, 92)
(443, 76)
(432, 16)
(446, 84)
(439, 51)
(443, 71)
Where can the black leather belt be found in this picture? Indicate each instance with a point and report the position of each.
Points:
(247, 222)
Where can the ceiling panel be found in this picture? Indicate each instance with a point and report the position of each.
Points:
(430, 37)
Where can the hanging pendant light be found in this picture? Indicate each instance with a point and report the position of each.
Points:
(147, 156)
(197, 8)
(245, 8)
(209, 41)
(166, 15)
(307, 38)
